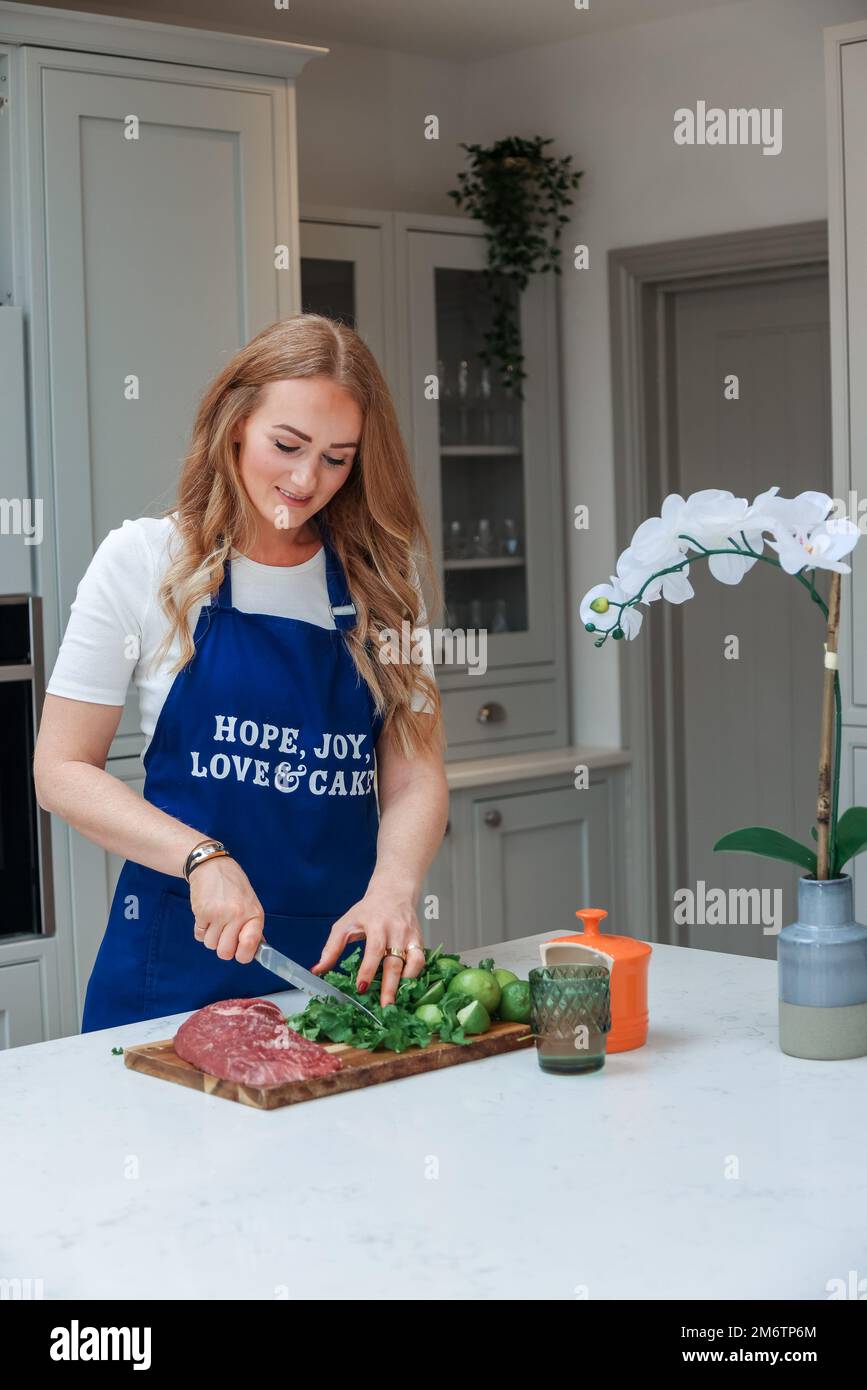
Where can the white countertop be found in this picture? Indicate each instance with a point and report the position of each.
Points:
(488, 1180)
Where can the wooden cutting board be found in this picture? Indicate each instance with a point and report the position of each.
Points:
(359, 1068)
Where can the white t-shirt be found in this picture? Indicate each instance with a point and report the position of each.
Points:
(117, 622)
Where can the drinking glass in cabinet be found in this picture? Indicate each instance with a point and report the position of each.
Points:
(483, 539)
(455, 543)
(500, 620)
(510, 541)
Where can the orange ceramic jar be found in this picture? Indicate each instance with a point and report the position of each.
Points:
(628, 961)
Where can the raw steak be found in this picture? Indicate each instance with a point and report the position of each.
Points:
(246, 1040)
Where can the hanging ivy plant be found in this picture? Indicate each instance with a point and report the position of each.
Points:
(520, 194)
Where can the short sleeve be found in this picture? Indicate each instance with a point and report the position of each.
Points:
(102, 643)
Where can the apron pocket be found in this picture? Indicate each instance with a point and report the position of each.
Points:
(182, 974)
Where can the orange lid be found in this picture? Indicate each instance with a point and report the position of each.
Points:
(620, 947)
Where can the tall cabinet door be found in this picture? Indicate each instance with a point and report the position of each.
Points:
(165, 196)
(156, 203)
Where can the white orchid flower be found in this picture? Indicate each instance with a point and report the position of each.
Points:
(716, 519)
(599, 613)
(675, 588)
(821, 547)
(804, 535)
(634, 575)
(656, 543)
(775, 513)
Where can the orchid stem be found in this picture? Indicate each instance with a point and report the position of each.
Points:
(829, 777)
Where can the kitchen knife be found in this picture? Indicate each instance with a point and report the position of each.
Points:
(287, 969)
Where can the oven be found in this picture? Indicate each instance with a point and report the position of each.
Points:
(26, 891)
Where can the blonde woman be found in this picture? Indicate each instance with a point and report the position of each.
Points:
(249, 618)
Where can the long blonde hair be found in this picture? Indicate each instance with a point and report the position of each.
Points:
(373, 521)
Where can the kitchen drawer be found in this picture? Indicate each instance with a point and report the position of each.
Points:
(21, 1018)
(515, 711)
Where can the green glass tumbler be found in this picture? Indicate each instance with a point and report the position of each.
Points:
(570, 1014)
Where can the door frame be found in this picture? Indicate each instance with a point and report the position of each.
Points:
(643, 281)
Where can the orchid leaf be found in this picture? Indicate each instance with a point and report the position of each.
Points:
(773, 844)
(851, 836)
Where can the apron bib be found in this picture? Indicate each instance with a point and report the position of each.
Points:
(266, 741)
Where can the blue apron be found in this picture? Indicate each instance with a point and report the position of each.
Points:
(266, 741)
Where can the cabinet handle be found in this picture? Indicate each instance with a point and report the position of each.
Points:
(491, 713)
(493, 819)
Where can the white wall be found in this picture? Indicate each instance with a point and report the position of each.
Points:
(361, 114)
(609, 100)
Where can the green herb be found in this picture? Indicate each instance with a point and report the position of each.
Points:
(333, 1021)
(117, 1052)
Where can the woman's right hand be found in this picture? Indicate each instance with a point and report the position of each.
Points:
(229, 917)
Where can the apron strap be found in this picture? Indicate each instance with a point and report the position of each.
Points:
(339, 598)
(342, 608)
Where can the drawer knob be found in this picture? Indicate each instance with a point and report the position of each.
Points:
(493, 819)
(491, 713)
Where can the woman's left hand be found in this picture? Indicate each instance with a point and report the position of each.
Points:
(385, 917)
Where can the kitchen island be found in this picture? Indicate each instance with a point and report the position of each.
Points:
(704, 1165)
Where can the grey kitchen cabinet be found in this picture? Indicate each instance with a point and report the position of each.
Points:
(414, 288)
(346, 259)
(133, 253)
(489, 472)
(522, 854)
(149, 220)
(23, 1012)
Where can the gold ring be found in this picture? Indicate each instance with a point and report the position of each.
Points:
(414, 946)
(394, 951)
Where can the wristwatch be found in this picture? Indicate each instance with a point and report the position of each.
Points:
(205, 849)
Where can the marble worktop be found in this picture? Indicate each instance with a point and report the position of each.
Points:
(704, 1165)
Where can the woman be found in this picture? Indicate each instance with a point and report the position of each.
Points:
(250, 621)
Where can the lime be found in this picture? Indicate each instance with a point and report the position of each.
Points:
(448, 965)
(474, 1018)
(434, 993)
(504, 977)
(478, 984)
(429, 1014)
(515, 1002)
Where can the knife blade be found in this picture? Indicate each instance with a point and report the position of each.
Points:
(287, 969)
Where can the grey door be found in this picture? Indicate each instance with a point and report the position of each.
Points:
(746, 730)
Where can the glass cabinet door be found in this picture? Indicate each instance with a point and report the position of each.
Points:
(481, 466)
(485, 464)
(342, 277)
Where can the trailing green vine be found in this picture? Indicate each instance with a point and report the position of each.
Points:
(520, 194)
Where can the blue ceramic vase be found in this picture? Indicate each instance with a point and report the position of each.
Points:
(822, 960)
